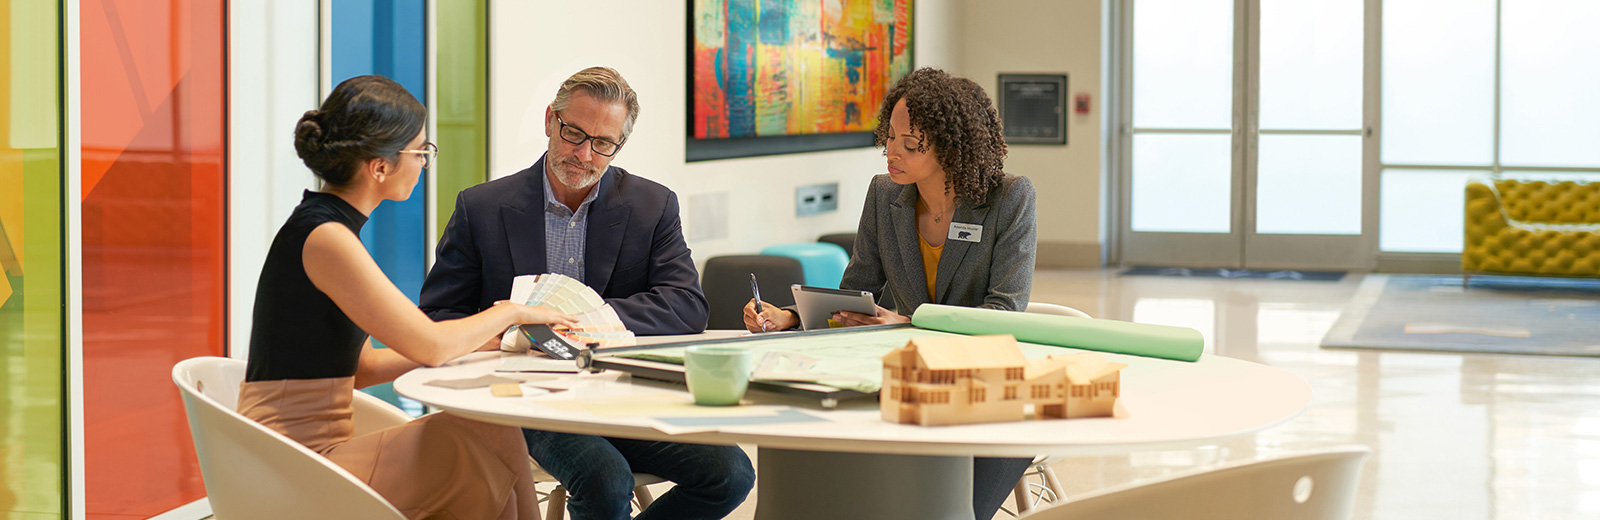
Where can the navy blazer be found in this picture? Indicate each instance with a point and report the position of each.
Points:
(634, 252)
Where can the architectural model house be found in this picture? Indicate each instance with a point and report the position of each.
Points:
(975, 379)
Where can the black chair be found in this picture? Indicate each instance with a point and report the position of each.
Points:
(844, 240)
(848, 242)
(726, 281)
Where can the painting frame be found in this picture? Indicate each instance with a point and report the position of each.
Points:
(901, 37)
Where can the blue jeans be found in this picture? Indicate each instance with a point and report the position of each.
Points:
(598, 474)
(992, 481)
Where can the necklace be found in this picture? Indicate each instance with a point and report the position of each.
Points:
(938, 217)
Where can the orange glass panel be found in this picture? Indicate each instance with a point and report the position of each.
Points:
(153, 130)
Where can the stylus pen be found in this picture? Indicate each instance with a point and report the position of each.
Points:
(755, 290)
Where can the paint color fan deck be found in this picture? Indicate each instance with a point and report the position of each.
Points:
(597, 321)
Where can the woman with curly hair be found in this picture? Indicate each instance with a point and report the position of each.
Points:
(946, 225)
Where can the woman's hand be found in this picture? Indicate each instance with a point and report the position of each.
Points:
(771, 318)
(854, 319)
(539, 315)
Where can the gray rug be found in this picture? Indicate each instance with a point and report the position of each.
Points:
(1501, 315)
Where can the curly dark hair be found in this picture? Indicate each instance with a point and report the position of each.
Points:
(960, 125)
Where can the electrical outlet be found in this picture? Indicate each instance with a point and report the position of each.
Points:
(815, 199)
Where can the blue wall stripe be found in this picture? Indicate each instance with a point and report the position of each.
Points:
(389, 38)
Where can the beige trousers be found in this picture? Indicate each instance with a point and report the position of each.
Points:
(436, 467)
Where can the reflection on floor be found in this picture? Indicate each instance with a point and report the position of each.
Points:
(1454, 436)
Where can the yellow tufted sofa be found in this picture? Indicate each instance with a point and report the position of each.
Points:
(1532, 227)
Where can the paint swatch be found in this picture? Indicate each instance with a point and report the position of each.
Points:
(597, 321)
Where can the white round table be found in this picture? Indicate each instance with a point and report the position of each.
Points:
(854, 465)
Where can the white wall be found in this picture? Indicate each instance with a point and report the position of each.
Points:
(1050, 37)
(272, 78)
(535, 45)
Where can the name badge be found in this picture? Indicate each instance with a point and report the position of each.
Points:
(965, 232)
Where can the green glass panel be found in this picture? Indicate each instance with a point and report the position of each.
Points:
(32, 462)
(462, 102)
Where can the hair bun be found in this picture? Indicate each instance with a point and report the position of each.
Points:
(308, 134)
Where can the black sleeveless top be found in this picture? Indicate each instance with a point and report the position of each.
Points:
(298, 332)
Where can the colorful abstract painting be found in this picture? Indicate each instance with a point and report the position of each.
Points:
(794, 67)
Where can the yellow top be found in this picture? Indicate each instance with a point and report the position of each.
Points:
(930, 262)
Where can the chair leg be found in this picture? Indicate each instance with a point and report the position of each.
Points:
(641, 496)
(556, 509)
(1021, 495)
(1050, 481)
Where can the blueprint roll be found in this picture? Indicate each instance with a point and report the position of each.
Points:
(1122, 337)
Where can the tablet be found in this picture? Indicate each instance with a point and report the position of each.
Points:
(817, 304)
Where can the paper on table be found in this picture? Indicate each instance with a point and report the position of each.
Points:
(854, 357)
(473, 382)
(1122, 337)
(506, 390)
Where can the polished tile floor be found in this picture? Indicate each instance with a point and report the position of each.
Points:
(1453, 436)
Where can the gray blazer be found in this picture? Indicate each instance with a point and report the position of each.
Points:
(995, 272)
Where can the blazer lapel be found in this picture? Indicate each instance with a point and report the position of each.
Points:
(955, 251)
(903, 216)
(522, 218)
(608, 215)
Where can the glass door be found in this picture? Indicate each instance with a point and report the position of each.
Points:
(1245, 137)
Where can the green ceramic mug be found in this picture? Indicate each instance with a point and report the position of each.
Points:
(717, 376)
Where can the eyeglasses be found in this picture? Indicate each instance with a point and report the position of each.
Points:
(600, 146)
(428, 152)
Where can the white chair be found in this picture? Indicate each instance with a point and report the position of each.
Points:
(1028, 494)
(252, 472)
(1313, 486)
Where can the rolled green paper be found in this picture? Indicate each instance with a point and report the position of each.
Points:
(1122, 337)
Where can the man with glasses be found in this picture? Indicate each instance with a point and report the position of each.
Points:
(573, 213)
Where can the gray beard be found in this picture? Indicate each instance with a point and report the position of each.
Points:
(585, 181)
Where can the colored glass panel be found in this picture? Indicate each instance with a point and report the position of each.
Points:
(462, 102)
(153, 161)
(32, 348)
(385, 37)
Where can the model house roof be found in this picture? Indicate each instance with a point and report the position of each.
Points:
(1080, 368)
(964, 352)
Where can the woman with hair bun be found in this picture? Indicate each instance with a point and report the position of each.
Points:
(321, 295)
(946, 225)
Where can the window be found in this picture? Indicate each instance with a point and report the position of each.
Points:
(1446, 73)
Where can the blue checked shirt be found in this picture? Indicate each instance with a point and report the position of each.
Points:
(564, 231)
